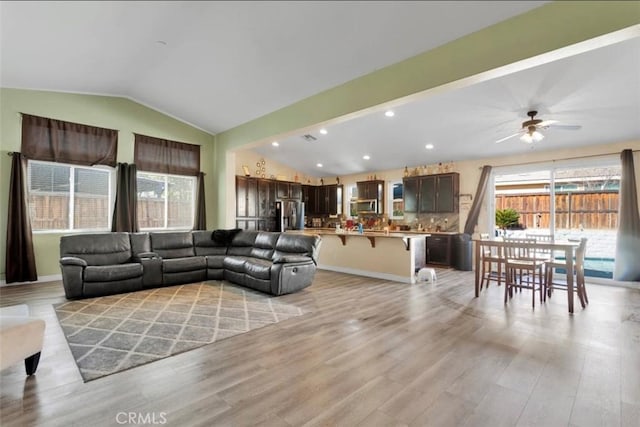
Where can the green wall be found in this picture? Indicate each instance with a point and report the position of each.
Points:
(547, 28)
(104, 111)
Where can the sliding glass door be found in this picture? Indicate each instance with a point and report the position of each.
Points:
(567, 201)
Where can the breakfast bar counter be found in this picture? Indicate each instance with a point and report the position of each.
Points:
(390, 256)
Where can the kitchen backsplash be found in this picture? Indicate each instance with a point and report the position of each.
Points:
(430, 222)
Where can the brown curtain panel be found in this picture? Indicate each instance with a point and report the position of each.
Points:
(20, 261)
(474, 212)
(125, 212)
(165, 156)
(627, 267)
(200, 220)
(57, 141)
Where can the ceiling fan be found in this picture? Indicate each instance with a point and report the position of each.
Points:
(530, 131)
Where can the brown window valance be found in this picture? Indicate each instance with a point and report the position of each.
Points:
(165, 156)
(59, 141)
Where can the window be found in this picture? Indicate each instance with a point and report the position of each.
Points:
(397, 202)
(67, 197)
(165, 201)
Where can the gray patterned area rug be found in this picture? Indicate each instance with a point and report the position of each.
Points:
(118, 332)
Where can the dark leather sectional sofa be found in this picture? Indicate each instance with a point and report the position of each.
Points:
(110, 263)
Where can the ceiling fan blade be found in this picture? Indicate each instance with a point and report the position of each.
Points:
(546, 123)
(564, 127)
(508, 137)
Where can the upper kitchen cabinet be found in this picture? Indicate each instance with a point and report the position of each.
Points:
(410, 194)
(288, 190)
(246, 197)
(370, 190)
(266, 198)
(432, 193)
(324, 200)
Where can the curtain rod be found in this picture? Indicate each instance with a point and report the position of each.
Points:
(557, 160)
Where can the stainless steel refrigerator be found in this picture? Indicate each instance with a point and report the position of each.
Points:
(289, 215)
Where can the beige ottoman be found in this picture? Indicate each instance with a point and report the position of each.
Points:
(21, 337)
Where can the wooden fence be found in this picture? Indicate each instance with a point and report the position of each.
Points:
(591, 210)
(51, 212)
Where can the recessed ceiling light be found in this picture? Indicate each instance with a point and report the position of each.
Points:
(389, 113)
(319, 165)
(429, 146)
(366, 157)
(275, 143)
(323, 131)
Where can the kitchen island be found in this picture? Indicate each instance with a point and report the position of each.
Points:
(392, 256)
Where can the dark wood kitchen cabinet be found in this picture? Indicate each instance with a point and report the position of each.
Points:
(246, 197)
(410, 194)
(256, 201)
(266, 198)
(288, 190)
(322, 199)
(432, 193)
(369, 190)
(310, 199)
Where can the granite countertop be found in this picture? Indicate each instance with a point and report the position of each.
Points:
(327, 229)
(366, 233)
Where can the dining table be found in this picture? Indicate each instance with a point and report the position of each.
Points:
(568, 247)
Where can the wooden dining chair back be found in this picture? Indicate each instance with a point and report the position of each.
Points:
(492, 263)
(578, 269)
(542, 238)
(524, 268)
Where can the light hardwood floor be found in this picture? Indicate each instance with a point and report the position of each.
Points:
(370, 353)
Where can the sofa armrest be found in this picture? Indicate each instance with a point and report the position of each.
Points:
(71, 260)
(286, 259)
(72, 276)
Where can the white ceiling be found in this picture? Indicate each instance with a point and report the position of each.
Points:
(222, 64)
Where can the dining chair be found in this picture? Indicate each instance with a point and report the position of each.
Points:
(491, 256)
(578, 270)
(542, 238)
(521, 257)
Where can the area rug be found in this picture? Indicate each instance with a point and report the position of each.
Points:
(118, 332)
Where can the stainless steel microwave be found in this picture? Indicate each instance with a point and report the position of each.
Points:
(367, 206)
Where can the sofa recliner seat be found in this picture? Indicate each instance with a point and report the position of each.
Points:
(98, 264)
(109, 263)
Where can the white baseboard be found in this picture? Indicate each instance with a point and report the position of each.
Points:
(41, 279)
(366, 273)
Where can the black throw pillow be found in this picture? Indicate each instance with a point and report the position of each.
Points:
(224, 237)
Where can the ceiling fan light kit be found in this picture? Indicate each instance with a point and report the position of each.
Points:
(530, 131)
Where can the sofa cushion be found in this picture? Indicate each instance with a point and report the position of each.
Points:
(215, 261)
(258, 268)
(264, 245)
(172, 245)
(109, 273)
(235, 263)
(296, 244)
(177, 265)
(242, 243)
(97, 249)
(140, 243)
(205, 245)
